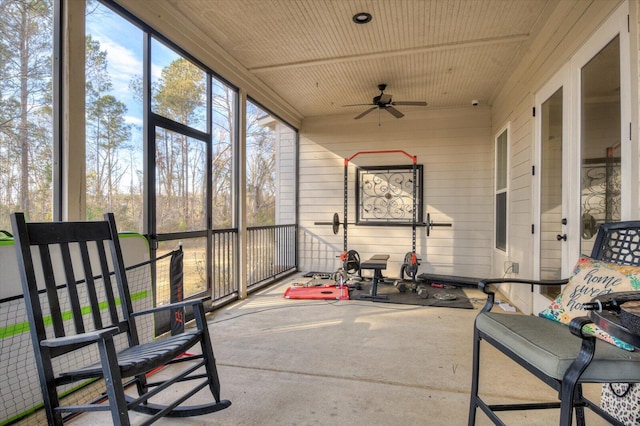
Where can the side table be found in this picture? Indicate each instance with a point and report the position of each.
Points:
(610, 322)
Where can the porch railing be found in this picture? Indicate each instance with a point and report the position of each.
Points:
(224, 260)
(271, 254)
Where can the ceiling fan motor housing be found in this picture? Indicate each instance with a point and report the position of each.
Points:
(382, 99)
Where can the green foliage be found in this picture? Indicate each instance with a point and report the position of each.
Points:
(181, 93)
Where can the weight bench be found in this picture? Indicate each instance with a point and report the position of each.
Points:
(450, 280)
(377, 263)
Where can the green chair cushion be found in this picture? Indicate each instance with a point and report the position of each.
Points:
(550, 347)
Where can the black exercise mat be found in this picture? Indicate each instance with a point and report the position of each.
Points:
(449, 279)
(410, 297)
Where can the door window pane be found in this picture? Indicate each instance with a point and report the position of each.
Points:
(180, 182)
(224, 101)
(551, 192)
(600, 102)
(194, 269)
(178, 87)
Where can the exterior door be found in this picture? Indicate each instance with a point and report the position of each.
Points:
(553, 188)
(584, 145)
(600, 166)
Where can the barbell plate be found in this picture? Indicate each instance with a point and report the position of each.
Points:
(336, 223)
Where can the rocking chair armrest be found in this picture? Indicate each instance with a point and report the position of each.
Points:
(485, 284)
(177, 305)
(88, 337)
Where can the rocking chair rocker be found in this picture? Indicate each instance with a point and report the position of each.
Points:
(75, 303)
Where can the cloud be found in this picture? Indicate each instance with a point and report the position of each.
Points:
(123, 64)
(136, 121)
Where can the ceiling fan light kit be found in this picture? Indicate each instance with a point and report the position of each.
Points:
(385, 102)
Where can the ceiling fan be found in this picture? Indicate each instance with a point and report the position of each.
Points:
(383, 101)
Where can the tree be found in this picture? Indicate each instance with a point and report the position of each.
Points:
(180, 177)
(98, 80)
(181, 93)
(261, 179)
(223, 101)
(25, 107)
(108, 140)
(181, 96)
(108, 135)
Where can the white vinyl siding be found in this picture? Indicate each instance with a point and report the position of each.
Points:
(285, 169)
(456, 149)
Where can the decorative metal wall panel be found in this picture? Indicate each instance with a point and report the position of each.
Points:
(601, 199)
(385, 195)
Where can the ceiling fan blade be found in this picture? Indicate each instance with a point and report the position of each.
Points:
(350, 105)
(413, 103)
(365, 113)
(394, 112)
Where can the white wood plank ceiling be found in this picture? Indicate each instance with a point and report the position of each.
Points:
(312, 54)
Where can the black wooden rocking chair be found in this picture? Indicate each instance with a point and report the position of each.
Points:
(75, 304)
(562, 357)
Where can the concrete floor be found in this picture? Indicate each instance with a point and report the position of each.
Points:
(305, 362)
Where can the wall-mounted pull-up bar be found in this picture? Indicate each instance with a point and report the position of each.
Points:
(384, 151)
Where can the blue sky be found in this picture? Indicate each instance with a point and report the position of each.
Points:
(123, 43)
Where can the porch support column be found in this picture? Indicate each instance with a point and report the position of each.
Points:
(73, 119)
(241, 193)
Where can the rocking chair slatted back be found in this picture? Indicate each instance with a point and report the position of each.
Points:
(77, 293)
